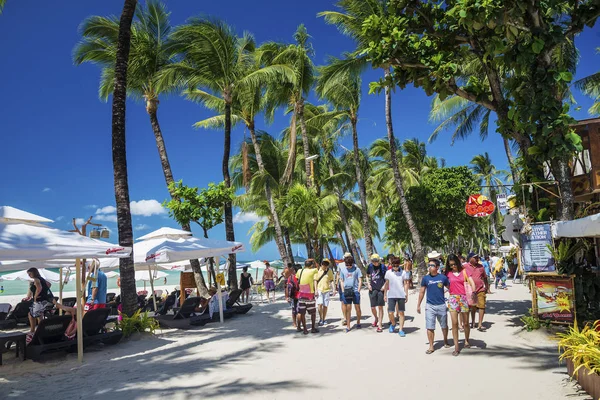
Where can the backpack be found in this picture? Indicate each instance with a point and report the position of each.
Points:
(292, 286)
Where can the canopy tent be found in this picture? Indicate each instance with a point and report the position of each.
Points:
(11, 215)
(166, 233)
(582, 227)
(23, 276)
(140, 276)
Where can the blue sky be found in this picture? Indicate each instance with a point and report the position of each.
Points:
(56, 133)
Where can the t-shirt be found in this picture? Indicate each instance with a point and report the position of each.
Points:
(457, 285)
(324, 284)
(376, 276)
(350, 277)
(308, 277)
(396, 286)
(435, 288)
(101, 285)
(486, 266)
(478, 275)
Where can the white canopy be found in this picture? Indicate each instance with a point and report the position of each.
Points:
(22, 276)
(168, 250)
(582, 227)
(33, 242)
(140, 275)
(168, 233)
(11, 215)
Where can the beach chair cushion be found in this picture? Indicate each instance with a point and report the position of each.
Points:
(51, 330)
(234, 297)
(94, 321)
(20, 312)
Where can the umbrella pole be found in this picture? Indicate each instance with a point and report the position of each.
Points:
(152, 287)
(60, 286)
(219, 294)
(79, 313)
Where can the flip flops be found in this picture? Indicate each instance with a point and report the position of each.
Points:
(455, 353)
(429, 351)
(379, 330)
(447, 346)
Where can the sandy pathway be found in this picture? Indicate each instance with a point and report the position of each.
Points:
(258, 356)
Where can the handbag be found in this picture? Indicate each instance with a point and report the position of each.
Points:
(349, 293)
(304, 290)
(471, 297)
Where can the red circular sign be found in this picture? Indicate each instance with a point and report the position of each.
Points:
(479, 206)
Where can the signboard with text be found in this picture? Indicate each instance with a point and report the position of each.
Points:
(479, 206)
(536, 254)
(553, 297)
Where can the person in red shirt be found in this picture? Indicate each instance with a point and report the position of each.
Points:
(476, 270)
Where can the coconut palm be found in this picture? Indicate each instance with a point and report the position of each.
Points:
(590, 86)
(214, 63)
(119, 155)
(149, 55)
(342, 90)
(2, 3)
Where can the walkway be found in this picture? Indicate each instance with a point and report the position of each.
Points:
(260, 357)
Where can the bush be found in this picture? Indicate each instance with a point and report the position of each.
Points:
(532, 322)
(582, 347)
(138, 322)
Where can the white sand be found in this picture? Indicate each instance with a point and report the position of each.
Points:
(259, 356)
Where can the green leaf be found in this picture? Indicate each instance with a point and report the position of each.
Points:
(534, 150)
(566, 76)
(537, 46)
(463, 13)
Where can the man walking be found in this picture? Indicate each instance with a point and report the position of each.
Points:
(376, 280)
(291, 293)
(325, 287)
(396, 293)
(350, 283)
(269, 276)
(435, 308)
(306, 296)
(477, 272)
(96, 289)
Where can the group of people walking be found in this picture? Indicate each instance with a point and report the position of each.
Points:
(459, 287)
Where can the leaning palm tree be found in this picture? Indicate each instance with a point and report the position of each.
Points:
(149, 55)
(342, 90)
(214, 63)
(590, 86)
(350, 22)
(119, 155)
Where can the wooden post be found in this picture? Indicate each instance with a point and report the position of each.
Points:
(79, 312)
(152, 286)
(219, 294)
(60, 285)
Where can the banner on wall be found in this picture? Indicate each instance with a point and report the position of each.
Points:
(536, 254)
(553, 297)
(502, 203)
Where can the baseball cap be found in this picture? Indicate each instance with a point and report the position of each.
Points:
(471, 255)
(375, 257)
(346, 255)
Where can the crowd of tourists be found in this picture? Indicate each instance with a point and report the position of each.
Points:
(455, 284)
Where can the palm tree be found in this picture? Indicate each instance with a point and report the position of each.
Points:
(350, 23)
(2, 3)
(342, 90)
(214, 63)
(149, 55)
(490, 180)
(590, 86)
(119, 155)
(293, 93)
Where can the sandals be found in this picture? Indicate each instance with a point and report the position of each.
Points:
(358, 326)
(455, 353)
(379, 330)
(429, 351)
(447, 346)
(482, 329)
(374, 324)
(467, 346)
(314, 330)
(347, 330)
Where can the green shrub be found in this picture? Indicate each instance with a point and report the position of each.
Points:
(582, 347)
(138, 322)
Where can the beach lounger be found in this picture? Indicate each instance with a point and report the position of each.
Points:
(110, 297)
(6, 322)
(50, 336)
(232, 307)
(180, 320)
(18, 315)
(69, 301)
(94, 331)
(4, 310)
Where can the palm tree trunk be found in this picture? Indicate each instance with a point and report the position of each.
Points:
(152, 109)
(511, 160)
(305, 143)
(229, 231)
(291, 162)
(419, 256)
(279, 240)
(288, 244)
(330, 252)
(562, 174)
(362, 190)
(309, 243)
(119, 156)
(342, 242)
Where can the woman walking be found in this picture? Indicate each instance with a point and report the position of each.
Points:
(39, 292)
(457, 301)
(246, 283)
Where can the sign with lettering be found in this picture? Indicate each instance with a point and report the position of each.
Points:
(536, 254)
(479, 206)
(502, 203)
(553, 297)
(186, 281)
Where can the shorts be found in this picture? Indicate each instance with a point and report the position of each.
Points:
(481, 296)
(306, 305)
(458, 303)
(323, 299)
(37, 308)
(354, 300)
(269, 285)
(433, 312)
(377, 298)
(90, 306)
(392, 305)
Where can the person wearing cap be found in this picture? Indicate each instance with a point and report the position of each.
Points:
(325, 286)
(350, 285)
(433, 256)
(376, 272)
(477, 272)
(396, 294)
(433, 284)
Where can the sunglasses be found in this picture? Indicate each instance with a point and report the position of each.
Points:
(431, 265)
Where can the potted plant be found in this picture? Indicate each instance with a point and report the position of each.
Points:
(581, 351)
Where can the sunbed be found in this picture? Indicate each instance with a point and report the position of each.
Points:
(180, 320)
(232, 307)
(93, 328)
(17, 316)
(50, 336)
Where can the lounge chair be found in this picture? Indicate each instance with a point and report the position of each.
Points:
(180, 320)
(18, 315)
(93, 328)
(50, 336)
(110, 297)
(69, 301)
(231, 308)
(4, 310)
(6, 322)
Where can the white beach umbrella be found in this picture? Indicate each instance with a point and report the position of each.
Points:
(167, 250)
(23, 276)
(168, 233)
(11, 215)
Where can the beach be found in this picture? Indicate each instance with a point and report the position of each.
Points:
(260, 356)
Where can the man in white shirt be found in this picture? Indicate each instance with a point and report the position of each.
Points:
(396, 293)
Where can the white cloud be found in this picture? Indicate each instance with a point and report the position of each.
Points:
(147, 208)
(107, 210)
(46, 189)
(91, 206)
(79, 221)
(242, 217)
(141, 227)
(57, 219)
(106, 218)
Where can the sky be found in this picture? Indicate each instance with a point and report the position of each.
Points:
(56, 133)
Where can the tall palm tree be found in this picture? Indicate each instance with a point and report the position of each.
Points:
(149, 55)
(342, 90)
(214, 62)
(350, 22)
(490, 180)
(294, 93)
(119, 155)
(2, 3)
(590, 85)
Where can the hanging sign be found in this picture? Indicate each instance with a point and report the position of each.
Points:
(502, 203)
(221, 279)
(479, 206)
